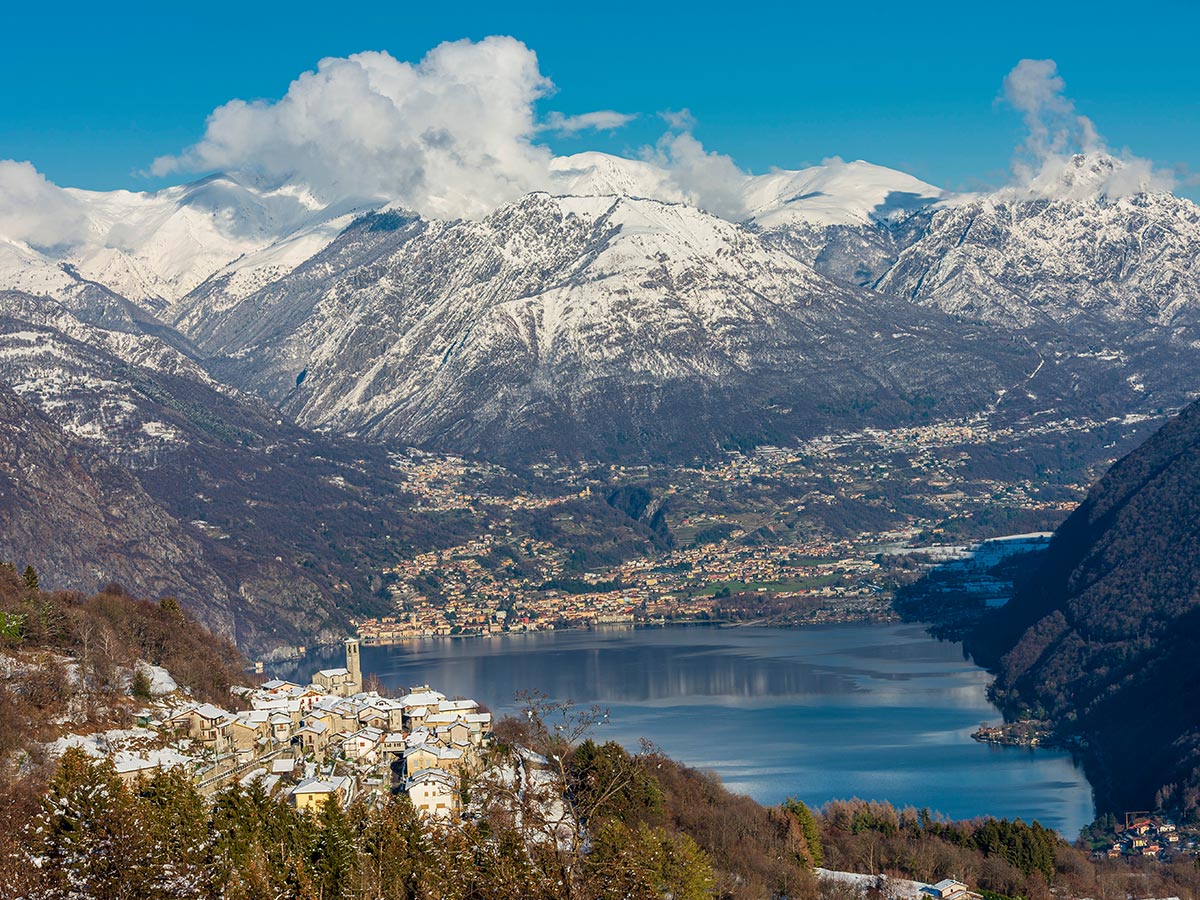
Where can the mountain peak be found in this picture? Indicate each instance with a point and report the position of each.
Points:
(1094, 175)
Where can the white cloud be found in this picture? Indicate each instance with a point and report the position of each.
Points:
(678, 119)
(451, 135)
(706, 178)
(600, 120)
(37, 211)
(1063, 154)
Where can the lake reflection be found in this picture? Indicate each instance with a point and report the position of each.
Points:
(875, 711)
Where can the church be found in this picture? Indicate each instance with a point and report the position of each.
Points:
(343, 681)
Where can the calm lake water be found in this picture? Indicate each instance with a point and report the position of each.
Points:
(875, 711)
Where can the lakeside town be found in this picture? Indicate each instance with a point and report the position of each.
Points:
(330, 738)
(826, 531)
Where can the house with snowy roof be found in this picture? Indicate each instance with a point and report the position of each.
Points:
(207, 724)
(434, 794)
(311, 793)
(363, 746)
(314, 736)
(250, 729)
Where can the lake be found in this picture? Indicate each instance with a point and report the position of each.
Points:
(878, 711)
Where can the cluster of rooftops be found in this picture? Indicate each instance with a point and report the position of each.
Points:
(332, 738)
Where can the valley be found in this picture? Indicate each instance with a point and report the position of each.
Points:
(828, 530)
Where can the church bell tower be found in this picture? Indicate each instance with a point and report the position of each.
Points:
(353, 665)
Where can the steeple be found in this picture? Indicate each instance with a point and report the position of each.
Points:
(353, 666)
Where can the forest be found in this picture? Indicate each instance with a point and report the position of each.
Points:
(1102, 636)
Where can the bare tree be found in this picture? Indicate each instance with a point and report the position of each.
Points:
(534, 784)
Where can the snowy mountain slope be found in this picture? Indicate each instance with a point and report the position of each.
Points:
(82, 521)
(153, 248)
(848, 220)
(1092, 263)
(157, 247)
(836, 193)
(833, 193)
(221, 469)
(593, 174)
(585, 324)
(618, 317)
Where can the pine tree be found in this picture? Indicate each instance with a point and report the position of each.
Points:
(808, 826)
(394, 851)
(140, 686)
(91, 836)
(31, 578)
(333, 856)
(175, 816)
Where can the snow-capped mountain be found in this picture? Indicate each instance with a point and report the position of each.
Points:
(1074, 258)
(836, 193)
(833, 193)
(155, 247)
(221, 347)
(601, 325)
(618, 313)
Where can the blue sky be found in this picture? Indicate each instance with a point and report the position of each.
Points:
(91, 96)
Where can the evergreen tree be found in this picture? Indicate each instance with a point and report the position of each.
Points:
(333, 856)
(175, 815)
(31, 578)
(140, 686)
(646, 864)
(93, 839)
(393, 850)
(810, 829)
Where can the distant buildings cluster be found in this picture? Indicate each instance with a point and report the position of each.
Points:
(329, 738)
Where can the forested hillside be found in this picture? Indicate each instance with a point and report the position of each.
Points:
(1104, 639)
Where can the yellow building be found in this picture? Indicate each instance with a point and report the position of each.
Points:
(311, 793)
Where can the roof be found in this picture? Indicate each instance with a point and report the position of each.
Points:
(424, 777)
(322, 785)
(208, 711)
(423, 698)
(947, 883)
(333, 673)
(284, 766)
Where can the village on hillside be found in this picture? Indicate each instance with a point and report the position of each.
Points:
(308, 742)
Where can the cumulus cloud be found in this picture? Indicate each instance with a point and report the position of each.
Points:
(706, 178)
(600, 120)
(451, 135)
(1063, 154)
(36, 211)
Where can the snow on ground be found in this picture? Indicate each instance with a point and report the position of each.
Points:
(105, 743)
(131, 750)
(161, 682)
(897, 888)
